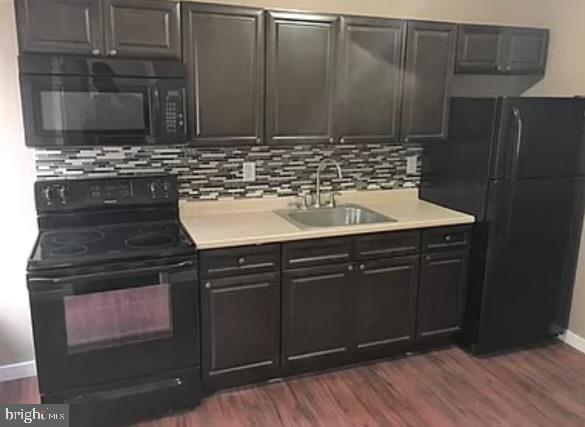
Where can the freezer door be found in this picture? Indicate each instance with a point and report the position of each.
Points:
(534, 231)
(540, 137)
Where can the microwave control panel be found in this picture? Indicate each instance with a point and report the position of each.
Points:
(174, 112)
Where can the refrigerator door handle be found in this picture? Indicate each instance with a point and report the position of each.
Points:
(518, 145)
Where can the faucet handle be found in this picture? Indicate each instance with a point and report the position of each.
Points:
(307, 201)
(332, 202)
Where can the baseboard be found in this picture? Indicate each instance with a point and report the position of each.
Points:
(574, 340)
(18, 370)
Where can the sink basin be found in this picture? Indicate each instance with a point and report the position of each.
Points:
(339, 216)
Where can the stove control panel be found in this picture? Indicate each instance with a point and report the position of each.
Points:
(55, 195)
(97, 193)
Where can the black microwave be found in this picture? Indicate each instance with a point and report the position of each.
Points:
(74, 101)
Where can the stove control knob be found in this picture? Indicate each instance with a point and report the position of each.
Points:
(63, 192)
(48, 195)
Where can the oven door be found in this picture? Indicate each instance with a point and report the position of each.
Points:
(86, 111)
(105, 327)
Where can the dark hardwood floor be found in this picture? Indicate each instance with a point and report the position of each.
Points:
(539, 387)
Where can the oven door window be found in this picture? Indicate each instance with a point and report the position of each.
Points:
(118, 317)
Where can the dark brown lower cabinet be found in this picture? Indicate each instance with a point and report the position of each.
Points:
(443, 277)
(385, 302)
(316, 317)
(240, 330)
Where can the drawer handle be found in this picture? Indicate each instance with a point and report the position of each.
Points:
(447, 238)
(208, 285)
(241, 260)
(362, 267)
(350, 268)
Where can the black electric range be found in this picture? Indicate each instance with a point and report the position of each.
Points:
(114, 299)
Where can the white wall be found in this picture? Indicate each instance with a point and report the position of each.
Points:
(565, 76)
(17, 211)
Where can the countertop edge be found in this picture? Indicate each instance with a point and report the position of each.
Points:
(310, 234)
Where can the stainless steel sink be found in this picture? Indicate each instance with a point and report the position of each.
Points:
(339, 216)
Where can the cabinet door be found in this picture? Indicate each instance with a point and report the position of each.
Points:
(526, 51)
(479, 49)
(142, 28)
(371, 53)
(300, 55)
(386, 305)
(430, 57)
(224, 52)
(316, 316)
(60, 26)
(240, 329)
(443, 277)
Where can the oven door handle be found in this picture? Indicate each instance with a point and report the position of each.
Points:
(60, 284)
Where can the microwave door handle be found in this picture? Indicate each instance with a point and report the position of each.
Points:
(155, 110)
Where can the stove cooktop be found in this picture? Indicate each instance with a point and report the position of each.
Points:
(75, 246)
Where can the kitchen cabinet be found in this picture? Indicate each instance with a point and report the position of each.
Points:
(370, 70)
(240, 320)
(316, 317)
(430, 58)
(300, 78)
(142, 29)
(486, 49)
(526, 50)
(385, 305)
(72, 27)
(441, 291)
(147, 29)
(224, 54)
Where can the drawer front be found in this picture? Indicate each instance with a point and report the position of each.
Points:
(446, 238)
(387, 245)
(241, 260)
(316, 252)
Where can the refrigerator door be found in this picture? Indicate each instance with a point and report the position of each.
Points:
(534, 228)
(456, 173)
(540, 137)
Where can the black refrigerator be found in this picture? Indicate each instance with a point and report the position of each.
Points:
(518, 165)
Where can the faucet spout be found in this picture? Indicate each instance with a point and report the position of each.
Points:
(321, 167)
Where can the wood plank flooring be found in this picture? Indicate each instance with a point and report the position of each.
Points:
(538, 387)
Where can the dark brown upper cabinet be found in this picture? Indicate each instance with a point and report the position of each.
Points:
(486, 49)
(300, 77)
(430, 58)
(119, 28)
(526, 50)
(142, 28)
(224, 52)
(60, 26)
(370, 67)
(478, 49)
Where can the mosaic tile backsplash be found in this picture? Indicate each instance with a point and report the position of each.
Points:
(216, 173)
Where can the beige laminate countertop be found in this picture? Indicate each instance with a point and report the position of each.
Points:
(225, 223)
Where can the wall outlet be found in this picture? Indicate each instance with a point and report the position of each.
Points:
(249, 171)
(411, 164)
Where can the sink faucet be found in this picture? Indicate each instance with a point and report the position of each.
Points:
(322, 166)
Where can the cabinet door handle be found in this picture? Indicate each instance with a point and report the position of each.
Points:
(207, 285)
(95, 52)
(350, 268)
(362, 267)
(241, 260)
(331, 140)
(447, 238)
